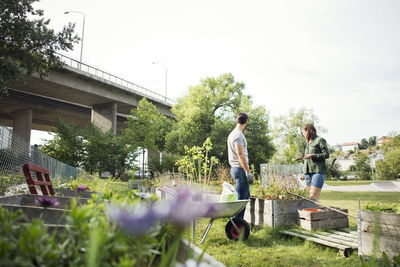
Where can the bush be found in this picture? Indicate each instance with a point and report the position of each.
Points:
(389, 169)
(362, 166)
(333, 170)
(10, 180)
(167, 163)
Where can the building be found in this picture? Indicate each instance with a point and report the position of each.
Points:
(383, 140)
(349, 146)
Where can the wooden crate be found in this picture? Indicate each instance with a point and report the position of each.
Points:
(260, 212)
(322, 219)
(381, 227)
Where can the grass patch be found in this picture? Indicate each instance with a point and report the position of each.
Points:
(347, 182)
(352, 201)
(392, 197)
(267, 247)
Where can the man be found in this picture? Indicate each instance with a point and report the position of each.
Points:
(238, 159)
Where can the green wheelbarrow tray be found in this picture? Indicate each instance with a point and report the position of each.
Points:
(235, 228)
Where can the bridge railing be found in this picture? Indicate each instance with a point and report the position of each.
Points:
(127, 85)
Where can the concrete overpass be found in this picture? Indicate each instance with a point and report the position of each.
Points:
(77, 93)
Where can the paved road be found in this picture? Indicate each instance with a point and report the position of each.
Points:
(372, 187)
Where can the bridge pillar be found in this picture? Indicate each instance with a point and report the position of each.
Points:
(22, 124)
(104, 116)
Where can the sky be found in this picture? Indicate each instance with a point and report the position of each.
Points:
(339, 58)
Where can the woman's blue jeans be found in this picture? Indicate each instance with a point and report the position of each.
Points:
(242, 187)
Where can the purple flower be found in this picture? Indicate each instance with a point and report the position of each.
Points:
(47, 201)
(184, 209)
(81, 188)
(138, 220)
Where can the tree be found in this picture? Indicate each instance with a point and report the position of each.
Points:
(147, 127)
(333, 169)
(372, 141)
(362, 166)
(197, 113)
(210, 109)
(90, 148)
(27, 44)
(288, 135)
(363, 144)
(258, 137)
(389, 168)
(392, 144)
(106, 152)
(67, 144)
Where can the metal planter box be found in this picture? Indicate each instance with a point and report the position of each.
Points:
(260, 212)
(74, 193)
(49, 215)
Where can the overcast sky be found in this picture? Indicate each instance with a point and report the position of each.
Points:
(339, 58)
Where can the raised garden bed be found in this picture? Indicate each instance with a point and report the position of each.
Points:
(32, 210)
(380, 227)
(260, 212)
(65, 192)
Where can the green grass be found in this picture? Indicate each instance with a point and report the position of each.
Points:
(351, 182)
(347, 182)
(267, 247)
(352, 201)
(363, 196)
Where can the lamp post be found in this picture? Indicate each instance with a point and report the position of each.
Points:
(166, 77)
(83, 32)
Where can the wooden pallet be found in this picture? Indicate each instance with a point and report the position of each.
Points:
(346, 242)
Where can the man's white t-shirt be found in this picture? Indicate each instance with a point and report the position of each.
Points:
(236, 137)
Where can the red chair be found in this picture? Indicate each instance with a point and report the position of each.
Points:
(40, 172)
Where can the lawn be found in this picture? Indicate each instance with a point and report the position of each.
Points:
(267, 247)
(347, 182)
(352, 182)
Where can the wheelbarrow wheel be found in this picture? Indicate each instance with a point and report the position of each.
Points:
(242, 225)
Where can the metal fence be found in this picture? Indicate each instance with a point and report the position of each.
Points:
(15, 152)
(271, 173)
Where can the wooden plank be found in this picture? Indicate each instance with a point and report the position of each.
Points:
(35, 168)
(352, 245)
(345, 250)
(321, 215)
(384, 229)
(346, 238)
(348, 234)
(291, 206)
(258, 218)
(324, 224)
(42, 183)
(383, 217)
(390, 245)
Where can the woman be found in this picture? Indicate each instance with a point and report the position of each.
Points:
(314, 160)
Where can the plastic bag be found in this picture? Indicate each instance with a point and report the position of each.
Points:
(228, 193)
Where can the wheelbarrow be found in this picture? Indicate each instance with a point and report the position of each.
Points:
(236, 228)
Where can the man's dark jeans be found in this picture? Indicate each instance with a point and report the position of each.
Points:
(242, 186)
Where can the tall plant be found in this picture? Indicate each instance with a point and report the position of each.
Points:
(197, 164)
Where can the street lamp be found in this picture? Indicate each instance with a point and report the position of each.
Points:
(166, 77)
(83, 32)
